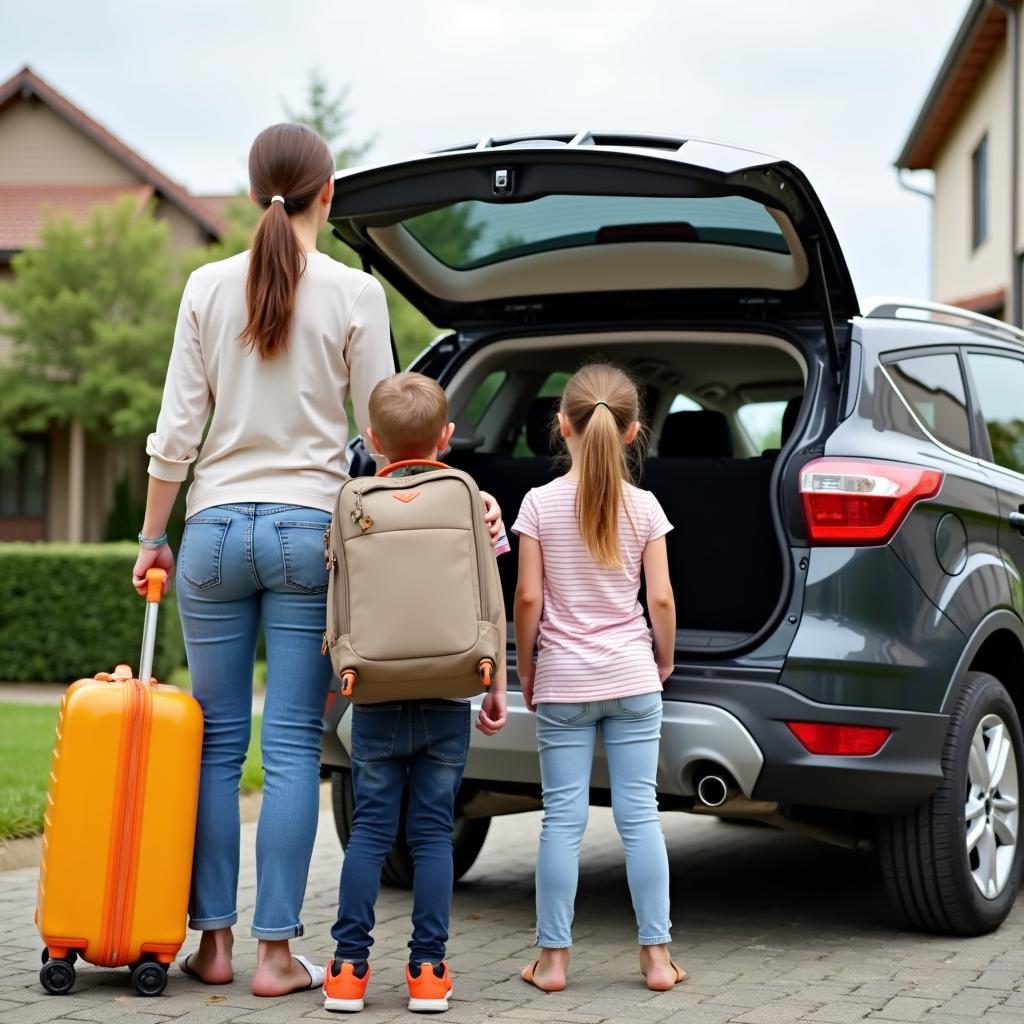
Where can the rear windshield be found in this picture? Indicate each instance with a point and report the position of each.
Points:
(472, 234)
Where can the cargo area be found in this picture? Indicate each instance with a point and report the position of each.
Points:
(718, 409)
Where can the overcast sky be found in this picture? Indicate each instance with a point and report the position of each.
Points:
(832, 86)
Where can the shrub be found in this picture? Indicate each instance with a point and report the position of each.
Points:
(68, 611)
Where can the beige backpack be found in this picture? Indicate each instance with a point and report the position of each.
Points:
(414, 604)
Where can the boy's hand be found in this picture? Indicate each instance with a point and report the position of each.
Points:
(492, 514)
(664, 671)
(493, 713)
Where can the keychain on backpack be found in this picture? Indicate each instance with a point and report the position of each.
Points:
(358, 516)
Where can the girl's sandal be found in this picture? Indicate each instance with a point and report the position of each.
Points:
(528, 974)
(680, 975)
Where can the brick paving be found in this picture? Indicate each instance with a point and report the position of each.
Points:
(772, 929)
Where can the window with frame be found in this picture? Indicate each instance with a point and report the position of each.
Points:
(979, 193)
(23, 481)
(933, 385)
(762, 423)
(999, 384)
(484, 395)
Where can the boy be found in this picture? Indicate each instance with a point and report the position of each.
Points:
(419, 744)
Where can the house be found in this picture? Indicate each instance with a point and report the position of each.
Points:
(54, 155)
(968, 133)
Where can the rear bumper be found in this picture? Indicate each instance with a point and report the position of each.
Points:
(900, 777)
(741, 727)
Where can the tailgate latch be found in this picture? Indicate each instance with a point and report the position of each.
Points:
(504, 182)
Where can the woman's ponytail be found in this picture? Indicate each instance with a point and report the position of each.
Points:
(601, 404)
(288, 166)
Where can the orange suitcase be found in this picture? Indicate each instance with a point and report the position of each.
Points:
(120, 823)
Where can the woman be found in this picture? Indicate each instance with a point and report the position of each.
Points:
(274, 340)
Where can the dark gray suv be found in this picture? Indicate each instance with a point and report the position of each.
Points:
(847, 489)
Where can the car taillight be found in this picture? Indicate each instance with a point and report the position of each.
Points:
(862, 501)
(846, 740)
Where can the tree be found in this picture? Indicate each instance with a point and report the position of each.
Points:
(92, 307)
(328, 116)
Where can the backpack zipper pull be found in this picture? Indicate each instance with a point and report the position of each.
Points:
(328, 554)
(358, 516)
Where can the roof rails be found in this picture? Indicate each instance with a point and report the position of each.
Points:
(936, 312)
(580, 138)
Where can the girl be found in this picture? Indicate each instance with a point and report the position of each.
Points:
(583, 540)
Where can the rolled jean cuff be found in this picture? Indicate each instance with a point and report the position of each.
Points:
(276, 934)
(657, 940)
(210, 924)
(553, 944)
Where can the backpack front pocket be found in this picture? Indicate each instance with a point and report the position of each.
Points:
(424, 580)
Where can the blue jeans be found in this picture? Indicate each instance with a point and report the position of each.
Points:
(240, 565)
(419, 746)
(631, 730)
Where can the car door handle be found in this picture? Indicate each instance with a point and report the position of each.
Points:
(1017, 521)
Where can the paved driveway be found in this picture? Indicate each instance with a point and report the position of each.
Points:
(772, 928)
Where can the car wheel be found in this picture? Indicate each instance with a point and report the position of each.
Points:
(953, 866)
(468, 835)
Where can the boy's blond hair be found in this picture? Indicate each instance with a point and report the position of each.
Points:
(408, 413)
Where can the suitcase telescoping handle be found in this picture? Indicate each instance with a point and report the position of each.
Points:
(154, 591)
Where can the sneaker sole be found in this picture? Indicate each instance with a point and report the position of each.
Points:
(428, 1005)
(343, 1005)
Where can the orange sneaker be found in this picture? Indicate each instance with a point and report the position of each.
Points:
(343, 990)
(429, 993)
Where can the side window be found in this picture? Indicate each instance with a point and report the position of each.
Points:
(999, 381)
(23, 482)
(762, 423)
(552, 388)
(934, 387)
(485, 394)
(683, 403)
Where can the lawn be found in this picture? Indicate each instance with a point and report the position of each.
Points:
(26, 740)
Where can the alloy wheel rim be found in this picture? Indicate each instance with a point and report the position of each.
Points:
(992, 806)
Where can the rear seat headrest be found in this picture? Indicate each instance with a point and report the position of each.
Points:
(539, 432)
(789, 416)
(699, 434)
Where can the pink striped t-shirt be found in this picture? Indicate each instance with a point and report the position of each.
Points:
(594, 642)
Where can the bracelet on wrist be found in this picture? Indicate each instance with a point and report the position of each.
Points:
(153, 542)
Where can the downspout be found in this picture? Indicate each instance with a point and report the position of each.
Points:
(1013, 33)
(930, 196)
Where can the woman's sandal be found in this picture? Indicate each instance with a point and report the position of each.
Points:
(528, 975)
(680, 976)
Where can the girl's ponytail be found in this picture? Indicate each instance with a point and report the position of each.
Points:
(601, 404)
(288, 166)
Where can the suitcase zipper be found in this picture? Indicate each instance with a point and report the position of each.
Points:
(124, 862)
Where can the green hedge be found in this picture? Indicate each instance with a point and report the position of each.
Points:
(68, 611)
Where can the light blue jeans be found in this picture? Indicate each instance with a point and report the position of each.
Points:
(631, 730)
(241, 565)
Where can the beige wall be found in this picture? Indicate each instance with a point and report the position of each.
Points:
(958, 270)
(185, 232)
(39, 147)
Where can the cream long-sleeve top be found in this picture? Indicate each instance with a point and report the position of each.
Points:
(279, 430)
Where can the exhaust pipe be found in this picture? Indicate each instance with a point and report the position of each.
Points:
(715, 787)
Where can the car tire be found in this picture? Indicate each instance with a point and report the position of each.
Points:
(468, 835)
(932, 873)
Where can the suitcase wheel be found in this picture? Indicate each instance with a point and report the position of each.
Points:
(149, 979)
(57, 977)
